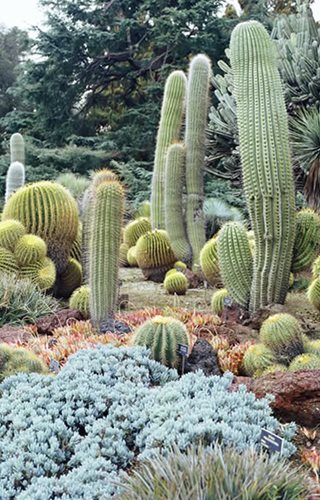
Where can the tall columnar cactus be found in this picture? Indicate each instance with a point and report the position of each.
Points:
(307, 242)
(17, 149)
(196, 123)
(235, 261)
(48, 210)
(169, 131)
(174, 215)
(264, 149)
(15, 178)
(162, 335)
(105, 239)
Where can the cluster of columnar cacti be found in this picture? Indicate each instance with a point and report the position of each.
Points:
(282, 347)
(162, 335)
(181, 165)
(25, 255)
(175, 282)
(15, 177)
(15, 360)
(106, 213)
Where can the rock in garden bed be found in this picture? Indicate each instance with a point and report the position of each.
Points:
(47, 324)
(13, 334)
(204, 358)
(297, 394)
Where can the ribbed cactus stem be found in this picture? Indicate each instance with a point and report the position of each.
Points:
(267, 172)
(235, 261)
(105, 239)
(17, 149)
(196, 123)
(169, 132)
(175, 221)
(15, 178)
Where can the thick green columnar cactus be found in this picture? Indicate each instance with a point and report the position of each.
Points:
(196, 123)
(104, 246)
(17, 149)
(169, 132)
(235, 261)
(162, 335)
(174, 214)
(264, 149)
(14, 179)
(48, 210)
(282, 334)
(307, 241)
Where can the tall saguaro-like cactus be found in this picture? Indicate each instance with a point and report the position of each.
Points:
(196, 122)
(105, 238)
(15, 178)
(169, 131)
(17, 149)
(267, 172)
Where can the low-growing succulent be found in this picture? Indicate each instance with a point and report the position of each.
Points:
(305, 361)
(162, 335)
(217, 300)
(282, 334)
(176, 283)
(257, 358)
(80, 300)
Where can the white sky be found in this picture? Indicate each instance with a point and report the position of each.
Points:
(26, 13)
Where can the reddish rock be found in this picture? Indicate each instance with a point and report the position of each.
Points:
(297, 394)
(47, 324)
(12, 334)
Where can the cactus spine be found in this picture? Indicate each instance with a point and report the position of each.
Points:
(235, 261)
(17, 149)
(169, 131)
(265, 157)
(15, 178)
(196, 122)
(174, 216)
(104, 246)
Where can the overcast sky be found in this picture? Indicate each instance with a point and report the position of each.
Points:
(25, 13)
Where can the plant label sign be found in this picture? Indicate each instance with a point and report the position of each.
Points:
(227, 302)
(272, 442)
(183, 350)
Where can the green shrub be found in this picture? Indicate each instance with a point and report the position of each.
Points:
(213, 474)
(22, 302)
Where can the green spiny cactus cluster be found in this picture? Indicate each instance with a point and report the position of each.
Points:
(209, 261)
(312, 347)
(10, 232)
(282, 334)
(176, 283)
(135, 229)
(313, 293)
(80, 300)
(8, 262)
(169, 132)
(42, 273)
(257, 358)
(15, 360)
(277, 367)
(235, 261)
(29, 249)
(162, 335)
(174, 212)
(17, 149)
(132, 257)
(154, 254)
(305, 361)
(70, 278)
(307, 239)
(265, 157)
(105, 239)
(143, 210)
(217, 301)
(15, 178)
(47, 210)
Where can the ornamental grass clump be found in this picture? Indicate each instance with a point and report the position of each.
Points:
(70, 436)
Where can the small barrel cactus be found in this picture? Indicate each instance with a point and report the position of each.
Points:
(15, 178)
(282, 334)
(316, 268)
(217, 301)
(277, 367)
(209, 261)
(29, 249)
(70, 278)
(76, 249)
(180, 266)
(313, 293)
(305, 361)
(80, 300)
(162, 335)
(8, 262)
(135, 229)
(154, 254)
(257, 358)
(41, 273)
(15, 360)
(176, 283)
(312, 347)
(307, 239)
(123, 251)
(132, 257)
(10, 232)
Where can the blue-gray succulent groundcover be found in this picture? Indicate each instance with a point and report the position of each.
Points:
(70, 436)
